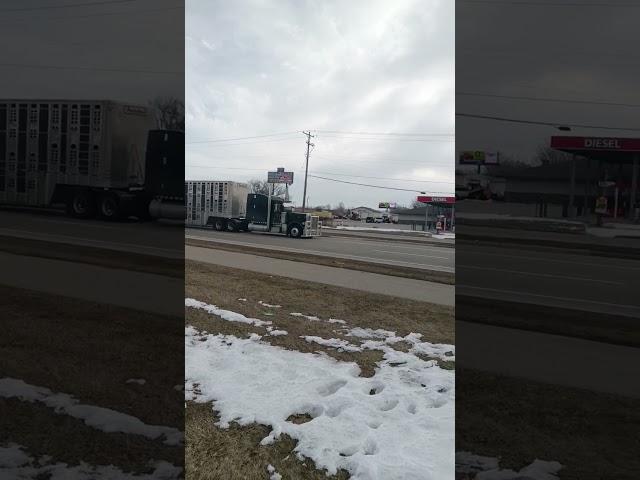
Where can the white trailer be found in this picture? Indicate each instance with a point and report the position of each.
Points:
(209, 198)
(71, 152)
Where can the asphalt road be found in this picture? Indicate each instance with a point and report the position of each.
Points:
(388, 252)
(151, 238)
(554, 278)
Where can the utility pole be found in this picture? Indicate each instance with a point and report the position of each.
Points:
(306, 170)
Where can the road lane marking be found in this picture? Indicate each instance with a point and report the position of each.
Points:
(534, 274)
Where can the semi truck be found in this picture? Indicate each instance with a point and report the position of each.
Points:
(95, 157)
(229, 206)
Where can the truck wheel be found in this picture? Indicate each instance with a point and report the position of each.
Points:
(109, 207)
(231, 226)
(81, 204)
(295, 231)
(219, 224)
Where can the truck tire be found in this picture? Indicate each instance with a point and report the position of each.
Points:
(232, 226)
(219, 224)
(81, 204)
(109, 207)
(295, 230)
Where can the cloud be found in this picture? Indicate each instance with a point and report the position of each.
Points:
(288, 66)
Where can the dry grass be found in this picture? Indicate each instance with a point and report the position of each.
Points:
(234, 454)
(90, 350)
(213, 453)
(594, 435)
(392, 270)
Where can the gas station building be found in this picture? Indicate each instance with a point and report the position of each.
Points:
(615, 176)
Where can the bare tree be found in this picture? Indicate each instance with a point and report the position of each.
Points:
(416, 204)
(261, 186)
(169, 112)
(550, 156)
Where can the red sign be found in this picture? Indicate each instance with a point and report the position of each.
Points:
(607, 144)
(424, 199)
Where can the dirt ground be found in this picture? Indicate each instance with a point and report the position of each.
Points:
(520, 420)
(213, 453)
(90, 350)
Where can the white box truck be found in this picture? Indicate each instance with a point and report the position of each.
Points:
(93, 156)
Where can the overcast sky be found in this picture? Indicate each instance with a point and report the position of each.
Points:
(261, 67)
(567, 51)
(127, 50)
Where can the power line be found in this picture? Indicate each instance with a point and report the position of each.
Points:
(300, 170)
(259, 141)
(546, 99)
(425, 140)
(550, 124)
(97, 69)
(390, 133)
(382, 178)
(548, 4)
(372, 186)
(93, 15)
(67, 5)
(242, 138)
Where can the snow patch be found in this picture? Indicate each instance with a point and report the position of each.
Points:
(268, 305)
(341, 345)
(227, 315)
(335, 320)
(100, 418)
(397, 424)
(369, 333)
(273, 474)
(139, 381)
(15, 463)
(278, 333)
(487, 468)
(308, 317)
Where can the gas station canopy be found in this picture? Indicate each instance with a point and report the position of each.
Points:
(608, 149)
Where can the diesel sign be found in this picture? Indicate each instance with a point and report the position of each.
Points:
(608, 143)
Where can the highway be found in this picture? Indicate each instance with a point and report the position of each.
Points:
(553, 278)
(390, 252)
(151, 238)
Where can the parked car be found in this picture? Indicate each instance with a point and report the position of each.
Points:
(370, 220)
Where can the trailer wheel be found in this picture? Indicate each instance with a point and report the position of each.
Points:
(81, 204)
(109, 207)
(219, 224)
(295, 230)
(232, 226)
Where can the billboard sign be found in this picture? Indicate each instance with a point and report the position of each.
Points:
(280, 176)
(478, 157)
(429, 199)
(387, 205)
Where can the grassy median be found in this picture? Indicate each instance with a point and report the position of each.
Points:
(213, 453)
(593, 435)
(90, 350)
